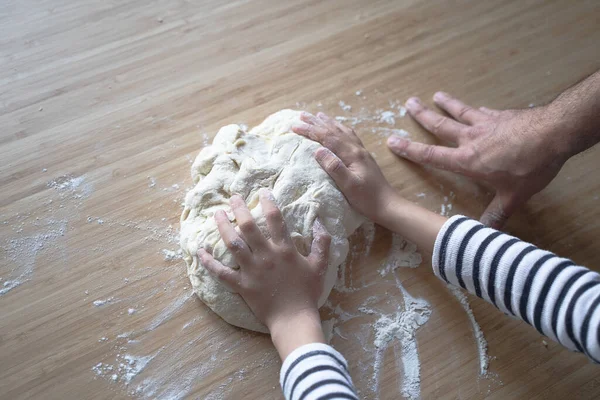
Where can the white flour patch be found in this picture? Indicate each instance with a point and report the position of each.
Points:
(125, 368)
(22, 252)
(446, 206)
(103, 302)
(402, 253)
(171, 255)
(477, 332)
(344, 106)
(387, 117)
(394, 328)
(75, 187)
(169, 311)
(387, 132)
(401, 326)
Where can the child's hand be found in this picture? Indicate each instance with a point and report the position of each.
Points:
(350, 165)
(281, 286)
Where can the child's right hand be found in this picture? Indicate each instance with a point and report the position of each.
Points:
(350, 165)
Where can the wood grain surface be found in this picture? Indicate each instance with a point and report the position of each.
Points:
(104, 104)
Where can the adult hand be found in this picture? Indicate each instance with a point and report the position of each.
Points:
(514, 151)
(281, 286)
(350, 165)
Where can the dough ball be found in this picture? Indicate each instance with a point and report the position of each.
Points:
(238, 162)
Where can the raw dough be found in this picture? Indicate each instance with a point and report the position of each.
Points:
(269, 156)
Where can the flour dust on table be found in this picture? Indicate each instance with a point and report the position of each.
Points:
(239, 162)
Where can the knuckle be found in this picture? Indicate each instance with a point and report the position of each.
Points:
(324, 238)
(222, 274)
(437, 125)
(334, 165)
(463, 110)
(247, 226)
(360, 153)
(428, 154)
(236, 245)
(332, 141)
(288, 253)
(273, 214)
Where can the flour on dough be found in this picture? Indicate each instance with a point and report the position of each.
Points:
(269, 156)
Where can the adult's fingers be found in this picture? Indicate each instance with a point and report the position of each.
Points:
(498, 211)
(252, 235)
(459, 110)
(437, 156)
(443, 127)
(232, 240)
(489, 111)
(334, 166)
(319, 251)
(275, 222)
(228, 276)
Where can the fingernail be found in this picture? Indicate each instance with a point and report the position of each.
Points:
(439, 96)
(221, 213)
(299, 128)
(265, 193)
(413, 102)
(321, 114)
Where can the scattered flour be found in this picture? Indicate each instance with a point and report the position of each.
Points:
(344, 106)
(387, 117)
(477, 332)
(171, 255)
(402, 326)
(76, 187)
(103, 302)
(446, 206)
(402, 253)
(24, 251)
(124, 369)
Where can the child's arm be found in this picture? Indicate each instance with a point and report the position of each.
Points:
(558, 298)
(282, 288)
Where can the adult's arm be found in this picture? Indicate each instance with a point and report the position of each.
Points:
(517, 152)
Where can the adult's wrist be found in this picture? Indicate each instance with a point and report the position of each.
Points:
(563, 129)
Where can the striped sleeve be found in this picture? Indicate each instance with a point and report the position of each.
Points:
(560, 299)
(316, 371)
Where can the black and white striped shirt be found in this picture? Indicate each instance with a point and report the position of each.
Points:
(560, 299)
(316, 371)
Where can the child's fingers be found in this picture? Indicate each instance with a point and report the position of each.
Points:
(317, 133)
(319, 252)
(310, 119)
(227, 275)
(334, 125)
(275, 222)
(252, 235)
(334, 166)
(232, 240)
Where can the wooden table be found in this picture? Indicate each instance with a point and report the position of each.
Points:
(104, 104)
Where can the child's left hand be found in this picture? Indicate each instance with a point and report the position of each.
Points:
(281, 286)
